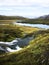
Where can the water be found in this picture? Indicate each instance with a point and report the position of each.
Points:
(17, 43)
(34, 25)
(31, 25)
(13, 50)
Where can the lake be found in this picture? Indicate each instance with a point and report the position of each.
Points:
(34, 25)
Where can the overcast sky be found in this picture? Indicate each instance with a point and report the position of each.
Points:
(26, 8)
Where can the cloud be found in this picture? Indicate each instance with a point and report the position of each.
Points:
(23, 11)
(27, 8)
(24, 2)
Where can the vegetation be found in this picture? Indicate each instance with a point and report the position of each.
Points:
(11, 17)
(36, 53)
(10, 32)
(7, 21)
(37, 21)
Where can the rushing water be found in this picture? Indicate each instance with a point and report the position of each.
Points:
(34, 25)
(15, 45)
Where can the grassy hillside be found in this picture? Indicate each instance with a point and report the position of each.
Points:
(2, 17)
(36, 53)
(30, 21)
(10, 32)
(7, 21)
(37, 21)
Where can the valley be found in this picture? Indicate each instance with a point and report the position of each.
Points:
(24, 43)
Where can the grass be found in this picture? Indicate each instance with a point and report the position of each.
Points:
(37, 21)
(30, 21)
(10, 32)
(36, 53)
(6, 21)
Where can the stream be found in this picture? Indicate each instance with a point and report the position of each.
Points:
(18, 43)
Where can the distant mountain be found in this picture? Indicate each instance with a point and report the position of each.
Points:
(40, 20)
(44, 17)
(2, 17)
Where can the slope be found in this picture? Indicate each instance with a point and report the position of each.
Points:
(37, 53)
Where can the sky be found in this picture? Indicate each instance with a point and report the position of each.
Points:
(25, 8)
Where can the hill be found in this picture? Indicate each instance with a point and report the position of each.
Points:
(36, 53)
(37, 21)
(40, 20)
(2, 17)
(10, 32)
(44, 17)
(13, 35)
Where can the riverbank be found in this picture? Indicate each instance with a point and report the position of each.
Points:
(43, 26)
